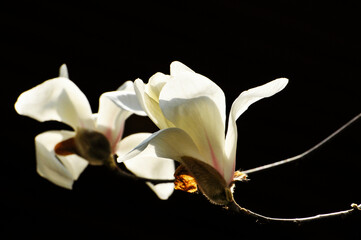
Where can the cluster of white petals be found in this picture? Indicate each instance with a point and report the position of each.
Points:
(59, 99)
(188, 108)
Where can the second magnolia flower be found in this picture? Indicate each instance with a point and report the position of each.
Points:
(190, 110)
(96, 138)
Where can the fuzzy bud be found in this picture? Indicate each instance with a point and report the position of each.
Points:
(93, 146)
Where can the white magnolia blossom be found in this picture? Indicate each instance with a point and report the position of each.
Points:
(59, 99)
(190, 110)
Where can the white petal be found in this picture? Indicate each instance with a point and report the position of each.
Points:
(126, 99)
(239, 106)
(188, 84)
(130, 142)
(163, 190)
(156, 84)
(63, 71)
(175, 144)
(114, 108)
(154, 168)
(150, 104)
(56, 99)
(199, 116)
(61, 170)
(151, 166)
(177, 68)
(246, 98)
(171, 143)
(139, 88)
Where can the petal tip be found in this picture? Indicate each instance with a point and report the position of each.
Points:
(177, 67)
(63, 71)
(282, 81)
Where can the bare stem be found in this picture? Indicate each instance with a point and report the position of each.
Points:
(111, 164)
(291, 159)
(263, 219)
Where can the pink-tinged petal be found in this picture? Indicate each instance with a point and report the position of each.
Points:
(239, 106)
(176, 144)
(114, 108)
(215, 161)
(56, 99)
(110, 120)
(200, 119)
(60, 170)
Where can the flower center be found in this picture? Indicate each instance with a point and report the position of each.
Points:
(184, 181)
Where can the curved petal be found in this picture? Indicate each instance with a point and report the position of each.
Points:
(155, 85)
(187, 84)
(63, 71)
(150, 104)
(114, 108)
(60, 170)
(176, 144)
(173, 143)
(177, 68)
(199, 117)
(130, 142)
(110, 121)
(125, 98)
(239, 106)
(152, 167)
(56, 99)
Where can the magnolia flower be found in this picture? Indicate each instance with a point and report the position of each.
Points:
(190, 110)
(63, 155)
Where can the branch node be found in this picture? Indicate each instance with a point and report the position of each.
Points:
(356, 207)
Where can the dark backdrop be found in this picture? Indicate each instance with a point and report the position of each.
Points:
(237, 44)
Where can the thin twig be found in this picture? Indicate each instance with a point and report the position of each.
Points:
(263, 219)
(111, 164)
(291, 159)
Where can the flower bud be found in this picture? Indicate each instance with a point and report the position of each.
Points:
(209, 181)
(92, 146)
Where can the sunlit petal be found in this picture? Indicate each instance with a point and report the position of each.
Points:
(156, 84)
(150, 105)
(200, 118)
(111, 120)
(63, 71)
(177, 68)
(187, 84)
(162, 190)
(241, 104)
(124, 98)
(154, 168)
(114, 108)
(173, 143)
(61, 170)
(57, 99)
(176, 144)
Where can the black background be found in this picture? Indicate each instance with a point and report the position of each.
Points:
(237, 44)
